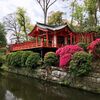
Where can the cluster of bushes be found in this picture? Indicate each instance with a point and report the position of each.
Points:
(23, 59)
(75, 59)
(30, 59)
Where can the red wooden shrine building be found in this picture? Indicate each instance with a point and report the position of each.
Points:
(47, 38)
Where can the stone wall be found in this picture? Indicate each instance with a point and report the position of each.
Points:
(89, 83)
(57, 75)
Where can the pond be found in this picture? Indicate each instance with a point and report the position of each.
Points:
(16, 87)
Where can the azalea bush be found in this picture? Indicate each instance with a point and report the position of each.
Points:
(80, 64)
(50, 59)
(65, 54)
(94, 47)
(64, 60)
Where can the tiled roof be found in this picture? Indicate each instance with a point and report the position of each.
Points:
(54, 28)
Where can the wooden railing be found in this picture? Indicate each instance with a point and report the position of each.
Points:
(22, 46)
(31, 45)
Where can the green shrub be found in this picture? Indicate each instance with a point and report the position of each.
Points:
(83, 45)
(14, 59)
(50, 59)
(97, 50)
(2, 60)
(24, 57)
(80, 64)
(32, 60)
(2, 51)
(9, 59)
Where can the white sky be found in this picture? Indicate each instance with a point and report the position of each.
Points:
(31, 6)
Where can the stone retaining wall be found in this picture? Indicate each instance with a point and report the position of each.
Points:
(53, 74)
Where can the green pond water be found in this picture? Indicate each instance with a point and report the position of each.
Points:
(16, 87)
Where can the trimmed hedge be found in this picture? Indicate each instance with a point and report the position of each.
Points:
(32, 60)
(16, 59)
(24, 57)
(50, 59)
(80, 63)
(2, 60)
(10, 58)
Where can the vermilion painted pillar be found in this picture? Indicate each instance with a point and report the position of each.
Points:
(91, 37)
(36, 41)
(70, 38)
(65, 40)
(47, 39)
(42, 41)
(74, 39)
(55, 40)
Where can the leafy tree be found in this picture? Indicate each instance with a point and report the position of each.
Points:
(11, 25)
(73, 9)
(23, 21)
(85, 14)
(91, 9)
(45, 5)
(55, 18)
(78, 15)
(2, 35)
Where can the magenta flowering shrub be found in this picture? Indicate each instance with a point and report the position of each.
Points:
(64, 60)
(65, 54)
(94, 47)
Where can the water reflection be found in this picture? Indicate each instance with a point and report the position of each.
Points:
(15, 87)
(10, 96)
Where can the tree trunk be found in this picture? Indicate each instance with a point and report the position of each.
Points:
(45, 17)
(95, 17)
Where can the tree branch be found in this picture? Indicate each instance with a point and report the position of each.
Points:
(52, 3)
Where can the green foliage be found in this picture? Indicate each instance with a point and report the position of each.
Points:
(2, 60)
(24, 57)
(2, 35)
(2, 51)
(55, 18)
(80, 64)
(32, 60)
(97, 50)
(91, 10)
(78, 15)
(8, 59)
(50, 59)
(14, 59)
(83, 45)
(23, 21)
